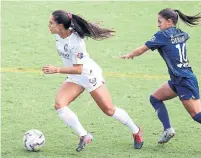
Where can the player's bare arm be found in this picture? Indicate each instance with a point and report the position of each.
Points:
(75, 69)
(137, 52)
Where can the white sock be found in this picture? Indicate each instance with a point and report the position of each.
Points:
(71, 119)
(124, 118)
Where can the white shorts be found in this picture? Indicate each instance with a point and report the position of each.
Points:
(90, 83)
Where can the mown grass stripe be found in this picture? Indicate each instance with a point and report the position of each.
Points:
(110, 74)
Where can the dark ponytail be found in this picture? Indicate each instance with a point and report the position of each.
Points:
(189, 20)
(81, 26)
(169, 13)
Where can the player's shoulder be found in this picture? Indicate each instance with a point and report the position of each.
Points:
(159, 35)
(76, 38)
(173, 31)
(162, 33)
(73, 36)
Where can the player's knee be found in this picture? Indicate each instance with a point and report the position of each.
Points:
(59, 105)
(192, 114)
(109, 111)
(156, 103)
(153, 100)
(197, 117)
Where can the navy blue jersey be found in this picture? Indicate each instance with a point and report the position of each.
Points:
(171, 44)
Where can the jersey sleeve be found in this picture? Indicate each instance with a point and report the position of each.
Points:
(157, 41)
(79, 54)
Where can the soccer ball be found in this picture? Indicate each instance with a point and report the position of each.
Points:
(33, 140)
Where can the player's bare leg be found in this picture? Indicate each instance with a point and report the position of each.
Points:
(193, 106)
(102, 97)
(67, 93)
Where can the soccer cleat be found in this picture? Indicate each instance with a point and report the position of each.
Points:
(166, 135)
(138, 139)
(84, 140)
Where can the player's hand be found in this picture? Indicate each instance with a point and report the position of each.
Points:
(127, 56)
(49, 69)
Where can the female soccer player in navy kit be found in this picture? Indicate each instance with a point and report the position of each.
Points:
(171, 44)
(83, 73)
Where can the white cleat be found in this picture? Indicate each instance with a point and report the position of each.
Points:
(167, 135)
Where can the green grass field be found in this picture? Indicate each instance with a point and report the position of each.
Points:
(28, 95)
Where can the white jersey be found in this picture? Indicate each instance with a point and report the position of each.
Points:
(72, 50)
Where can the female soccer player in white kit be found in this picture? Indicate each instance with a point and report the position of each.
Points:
(83, 73)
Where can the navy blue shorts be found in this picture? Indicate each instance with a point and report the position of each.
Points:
(186, 88)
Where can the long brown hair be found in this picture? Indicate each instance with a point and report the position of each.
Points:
(174, 14)
(81, 26)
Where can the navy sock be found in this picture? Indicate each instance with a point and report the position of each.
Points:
(197, 117)
(161, 110)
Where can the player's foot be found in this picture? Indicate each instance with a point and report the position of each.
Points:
(166, 135)
(84, 140)
(138, 139)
